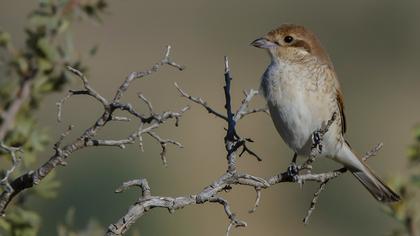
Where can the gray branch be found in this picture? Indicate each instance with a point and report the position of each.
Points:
(147, 123)
(233, 144)
(13, 152)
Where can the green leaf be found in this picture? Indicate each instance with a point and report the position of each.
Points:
(417, 133)
(47, 49)
(414, 153)
(44, 65)
(39, 20)
(48, 187)
(39, 140)
(4, 224)
(22, 64)
(63, 26)
(4, 38)
(23, 222)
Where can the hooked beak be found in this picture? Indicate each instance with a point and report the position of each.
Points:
(263, 43)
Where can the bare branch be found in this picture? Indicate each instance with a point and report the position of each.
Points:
(234, 221)
(373, 152)
(60, 105)
(233, 143)
(12, 151)
(120, 118)
(163, 143)
(142, 183)
(314, 201)
(255, 110)
(243, 108)
(88, 137)
(88, 89)
(235, 146)
(137, 75)
(201, 102)
(257, 200)
(148, 103)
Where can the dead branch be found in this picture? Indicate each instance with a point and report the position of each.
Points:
(233, 145)
(13, 152)
(147, 123)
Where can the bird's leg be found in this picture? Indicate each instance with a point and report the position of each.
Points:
(293, 169)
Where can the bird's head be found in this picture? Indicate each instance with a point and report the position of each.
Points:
(292, 43)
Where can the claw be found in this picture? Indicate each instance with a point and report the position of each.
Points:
(293, 171)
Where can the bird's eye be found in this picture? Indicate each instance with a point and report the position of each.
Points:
(288, 39)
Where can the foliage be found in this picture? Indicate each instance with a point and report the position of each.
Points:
(40, 65)
(66, 229)
(407, 211)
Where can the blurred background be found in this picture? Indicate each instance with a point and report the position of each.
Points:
(374, 46)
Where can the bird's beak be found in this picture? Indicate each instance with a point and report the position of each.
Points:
(263, 43)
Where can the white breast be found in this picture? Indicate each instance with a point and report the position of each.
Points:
(298, 105)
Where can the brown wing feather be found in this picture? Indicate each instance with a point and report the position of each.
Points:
(340, 102)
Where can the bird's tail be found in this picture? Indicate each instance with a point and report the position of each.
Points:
(379, 190)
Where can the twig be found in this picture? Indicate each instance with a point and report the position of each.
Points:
(201, 102)
(314, 201)
(88, 137)
(234, 221)
(373, 152)
(163, 143)
(233, 143)
(137, 75)
(12, 151)
(257, 200)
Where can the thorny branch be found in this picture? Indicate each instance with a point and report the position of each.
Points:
(148, 123)
(233, 144)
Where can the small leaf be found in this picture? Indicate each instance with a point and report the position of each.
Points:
(44, 65)
(39, 20)
(47, 49)
(48, 187)
(4, 224)
(4, 38)
(23, 222)
(414, 153)
(417, 133)
(63, 26)
(22, 64)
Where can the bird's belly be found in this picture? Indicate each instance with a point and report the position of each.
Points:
(292, 123)
(301, 102)
(296, 116)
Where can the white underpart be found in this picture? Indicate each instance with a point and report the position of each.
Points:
(301, 100)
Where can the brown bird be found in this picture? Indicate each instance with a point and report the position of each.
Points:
(302, 93)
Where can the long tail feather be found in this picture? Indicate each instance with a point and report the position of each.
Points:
(366, 176)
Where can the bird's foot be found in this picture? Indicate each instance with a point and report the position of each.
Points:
(293, 171)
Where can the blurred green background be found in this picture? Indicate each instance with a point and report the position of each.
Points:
(374, 46)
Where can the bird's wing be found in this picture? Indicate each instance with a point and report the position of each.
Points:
(340, 102)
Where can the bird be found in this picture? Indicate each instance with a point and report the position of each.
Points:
(302, 93)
